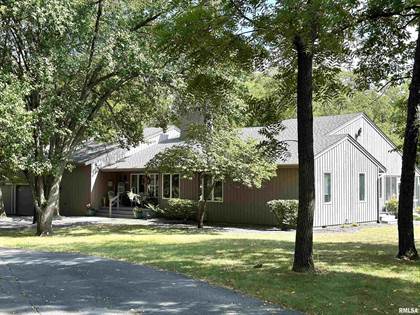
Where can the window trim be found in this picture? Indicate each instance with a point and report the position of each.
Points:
(170, 185)
(364, 187)
(323, 188)
(212, 193)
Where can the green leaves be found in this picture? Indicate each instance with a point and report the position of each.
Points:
(221, 153)
(87, 73)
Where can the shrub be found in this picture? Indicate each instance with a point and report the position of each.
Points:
(391, 205)
(418, 210)
(285, 212)
(179, 209)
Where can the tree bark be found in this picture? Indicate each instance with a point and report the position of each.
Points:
(303, 261)
(45, 198)
(202, 202)
(406, 244)
(202, 205)
(2, 208)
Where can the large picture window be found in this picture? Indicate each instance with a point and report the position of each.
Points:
(217, 193)
(327, 187)
(137, 183)
(362, 187)
(153, 186)
(171, 185)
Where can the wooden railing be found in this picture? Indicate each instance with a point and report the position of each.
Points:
(113, 200)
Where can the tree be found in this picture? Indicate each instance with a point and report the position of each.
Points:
(215, 155)
(406, 245)
(78, 59)
(15, 135)
(394, 52)
(302, 36)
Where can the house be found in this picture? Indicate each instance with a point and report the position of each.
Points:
(357, 168)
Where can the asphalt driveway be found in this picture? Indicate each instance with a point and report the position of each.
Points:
(59, 283)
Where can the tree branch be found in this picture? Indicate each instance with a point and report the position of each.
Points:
(146, 21)
(95, 34)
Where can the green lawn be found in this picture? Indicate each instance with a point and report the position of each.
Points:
(357, 270)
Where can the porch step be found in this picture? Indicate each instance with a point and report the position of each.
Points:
(387, 218)
(121, 213)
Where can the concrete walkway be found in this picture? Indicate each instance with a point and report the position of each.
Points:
(58, 283)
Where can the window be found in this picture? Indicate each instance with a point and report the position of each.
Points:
(362, 187)
(217, 193)
(327, 187)
(393, 186)
(137, 183)
(380, 187)
(153, 187)
(171, 185)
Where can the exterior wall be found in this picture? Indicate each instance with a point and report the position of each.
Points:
(379, 147)
(375, 144)
(345, 161)
(248, 205)
(75, 191)
(8, 194)
(243, 205)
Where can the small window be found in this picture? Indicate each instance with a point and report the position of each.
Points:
(362, 187)
(171, 185)
(217, 193)
(380, 187)
(327, 187)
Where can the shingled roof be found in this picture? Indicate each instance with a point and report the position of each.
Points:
(323, 126)
(91, 150)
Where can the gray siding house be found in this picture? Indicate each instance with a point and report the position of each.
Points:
(357, 168)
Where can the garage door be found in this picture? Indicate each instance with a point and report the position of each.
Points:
(24, 203)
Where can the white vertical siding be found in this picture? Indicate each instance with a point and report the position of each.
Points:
(375, 144)
(345, 161)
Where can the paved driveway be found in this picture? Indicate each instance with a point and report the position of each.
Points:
(53, 283)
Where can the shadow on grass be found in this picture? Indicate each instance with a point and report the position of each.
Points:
(355, 277)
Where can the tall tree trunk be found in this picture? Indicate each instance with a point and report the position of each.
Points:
(406, 245)
(45, 198)
(2, 208)
(202, 205)
(303, 261)
(205, 193)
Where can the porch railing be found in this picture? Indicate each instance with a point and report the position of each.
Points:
(112, 201)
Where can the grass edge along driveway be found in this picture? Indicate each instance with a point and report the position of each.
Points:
(358, 273)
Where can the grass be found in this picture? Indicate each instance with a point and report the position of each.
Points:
(358, 273)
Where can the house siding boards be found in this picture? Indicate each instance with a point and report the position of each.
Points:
(246, 205)
(8, 194)
(375, 143)
(75, 191)
(372, 139)
(345, 162)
